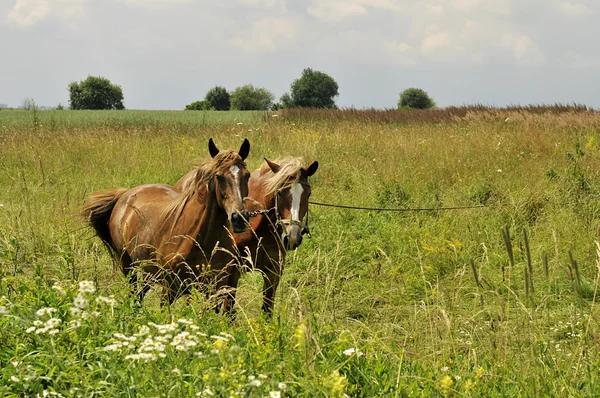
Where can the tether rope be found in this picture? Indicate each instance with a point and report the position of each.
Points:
(397, 209)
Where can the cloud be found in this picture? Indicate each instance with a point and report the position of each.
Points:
(573, 9)
(266, 34)
(29, 12)
(266, 4)
(154, 3)
(401, 53)
(435, 10)
(523, 48)
(434, 42)
(337, 10)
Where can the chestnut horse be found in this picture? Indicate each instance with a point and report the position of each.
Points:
(280, 192)
(177, 237)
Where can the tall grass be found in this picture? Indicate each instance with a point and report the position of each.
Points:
(450, 113)
(375, 304)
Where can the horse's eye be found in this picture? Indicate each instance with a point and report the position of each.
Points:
(220, 177)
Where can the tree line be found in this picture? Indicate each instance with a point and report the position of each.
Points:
(313, 89)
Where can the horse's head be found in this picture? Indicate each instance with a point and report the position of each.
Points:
(291, 203)
(229, 181)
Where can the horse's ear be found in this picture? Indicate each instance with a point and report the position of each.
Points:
(212, 148)
(310, 170)
(244, 149)
(273, 166)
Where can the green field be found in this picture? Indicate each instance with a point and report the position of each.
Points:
(398, 288)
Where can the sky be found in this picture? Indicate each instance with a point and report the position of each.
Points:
(168, 53)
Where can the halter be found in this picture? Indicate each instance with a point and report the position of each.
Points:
(304, 230)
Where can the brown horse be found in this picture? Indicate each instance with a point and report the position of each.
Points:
(178, 237)
(280, 191)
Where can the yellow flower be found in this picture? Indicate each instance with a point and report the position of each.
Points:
(446, 383)
(219, 344)
(479, 372)
(336, 383)
(591, 144)
(300, 336)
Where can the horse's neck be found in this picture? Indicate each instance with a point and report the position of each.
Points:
(201, 224)
(266, 202)
(212, 224)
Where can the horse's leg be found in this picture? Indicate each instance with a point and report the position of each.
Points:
(232, 284)
(130, 270)
(271, 276)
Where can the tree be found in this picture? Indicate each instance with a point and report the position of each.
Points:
(415, 98)
(199, 106)
(95, 92)
(250, 98)
(313, 89)
(284, 102)
(218, 98)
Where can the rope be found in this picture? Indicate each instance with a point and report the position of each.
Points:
(398, 210)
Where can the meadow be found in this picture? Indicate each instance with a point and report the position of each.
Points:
(497, 300)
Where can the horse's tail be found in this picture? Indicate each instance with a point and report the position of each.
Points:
(97, 210)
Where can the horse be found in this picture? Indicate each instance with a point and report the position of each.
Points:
(280, 192)
(177, 238)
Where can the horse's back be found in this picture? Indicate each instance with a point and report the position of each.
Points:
(185, 181)
(137, 217)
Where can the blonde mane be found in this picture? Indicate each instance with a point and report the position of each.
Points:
(222, 161)
(288, 175)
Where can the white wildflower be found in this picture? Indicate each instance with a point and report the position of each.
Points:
(106, 300)
(274, 394)
(87, 287)
(14, 379)
(45, 311)
(256, 383)
(282, 386)
(3, 310)
(59, 289)
(353, 350)
(445, 369)
(144, 330)
(206, 393)
(80, 301)
(75, 323)
(75, 312)
(141, 357)
(176, 371)
(53, 322)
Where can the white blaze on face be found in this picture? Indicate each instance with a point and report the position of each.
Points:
(236, 187)
(296, 191)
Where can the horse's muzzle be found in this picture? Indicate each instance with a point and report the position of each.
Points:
(238, 222)
(293, 238)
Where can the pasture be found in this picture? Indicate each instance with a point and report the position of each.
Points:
(400, 304)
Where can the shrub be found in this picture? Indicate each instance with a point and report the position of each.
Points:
(199, 106)
(415, 98)
(250, 98)
(313, 89)
(95, 92)
(218, 98)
